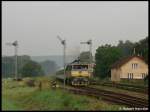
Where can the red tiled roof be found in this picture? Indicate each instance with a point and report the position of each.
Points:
(124, 60)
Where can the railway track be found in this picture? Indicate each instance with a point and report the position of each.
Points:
(111, 96)
(125, 86)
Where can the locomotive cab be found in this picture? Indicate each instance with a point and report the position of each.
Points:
(78, 74)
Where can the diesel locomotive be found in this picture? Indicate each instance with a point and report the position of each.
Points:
(78, 74)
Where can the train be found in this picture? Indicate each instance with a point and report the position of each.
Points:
(78, 74)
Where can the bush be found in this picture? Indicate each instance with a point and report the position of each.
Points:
(30, 83)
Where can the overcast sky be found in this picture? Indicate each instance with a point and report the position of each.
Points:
(36, 24)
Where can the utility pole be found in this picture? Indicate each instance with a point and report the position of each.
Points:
(15, 44)
(63, 42)
(90, 50)
(16, 58)
(89, 42)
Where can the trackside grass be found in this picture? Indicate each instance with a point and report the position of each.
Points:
(18, 96)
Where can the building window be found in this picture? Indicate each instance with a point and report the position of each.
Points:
(134, 66)
(130, 75)
(143, 75)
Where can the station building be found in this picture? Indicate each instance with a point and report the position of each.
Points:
(132, 67)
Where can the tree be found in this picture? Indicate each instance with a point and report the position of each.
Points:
(105, 56)
(141, 48)
(32, 68)
(126, 47)
(8, 64)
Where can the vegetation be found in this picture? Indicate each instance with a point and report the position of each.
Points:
(142, 48)
(136, 82)
(8, 64)
(19, 96)
(31, 69)
(146, 80)
(126, 47)
(106, 55)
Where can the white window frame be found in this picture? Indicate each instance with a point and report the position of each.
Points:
(134, 65)
(143, 75)
(130, 75)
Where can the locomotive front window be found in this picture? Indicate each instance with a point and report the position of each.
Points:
(82, 67)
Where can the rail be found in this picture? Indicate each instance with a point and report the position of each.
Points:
(110, 96)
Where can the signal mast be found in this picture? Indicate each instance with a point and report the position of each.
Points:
(63, 42)
(89, 42)
(15, 44)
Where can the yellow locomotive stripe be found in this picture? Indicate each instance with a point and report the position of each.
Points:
(80, 73)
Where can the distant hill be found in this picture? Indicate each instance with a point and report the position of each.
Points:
(58, 59)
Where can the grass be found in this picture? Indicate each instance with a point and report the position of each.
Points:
(10, 104)
(140, 82)
(18, 96)
(130, 85)
(135, 82)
